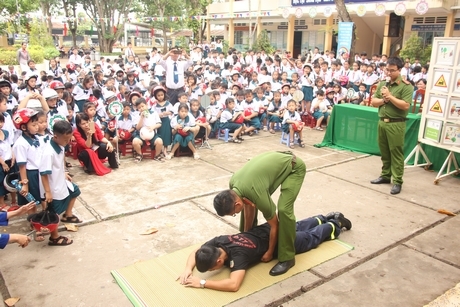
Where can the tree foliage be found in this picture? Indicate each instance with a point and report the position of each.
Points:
(263, 43)
(39, 34)
(164, 9)
(413, 49)
(109, 18)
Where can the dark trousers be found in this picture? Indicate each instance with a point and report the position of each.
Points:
(173, 93)
(313, 231)
(102, 153)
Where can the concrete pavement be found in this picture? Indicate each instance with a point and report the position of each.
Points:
(406, 254)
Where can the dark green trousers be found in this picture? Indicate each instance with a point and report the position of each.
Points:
(391, 143)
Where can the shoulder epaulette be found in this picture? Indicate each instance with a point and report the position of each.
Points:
(406, 82)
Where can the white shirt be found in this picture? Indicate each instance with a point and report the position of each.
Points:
(226, 116)
(5, 148)
(189, 121)
(52, 164)
(125, 124)
(76, 59)
(182, 66)
(26, 153)
(291, 116)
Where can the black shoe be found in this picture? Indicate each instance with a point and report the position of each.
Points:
(340, 218)
(380, 180)
(396, 189)
(282, 267)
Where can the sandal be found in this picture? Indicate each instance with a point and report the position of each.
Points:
(68, 164)
(291, 144)
(319, 128)
(301, 144)
(240, 137)
(138, 158)
(236, 141)
(272, 131)
(70, 219)
(159, 158)
(5, 208)
(60, 241)
(250, 133)
(169, 157)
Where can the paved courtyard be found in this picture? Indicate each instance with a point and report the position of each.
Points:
(405, 253)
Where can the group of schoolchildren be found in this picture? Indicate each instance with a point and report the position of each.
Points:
(33, 154)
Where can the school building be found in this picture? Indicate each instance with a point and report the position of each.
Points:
(299, 25)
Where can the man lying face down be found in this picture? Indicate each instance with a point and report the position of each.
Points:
(240, 251)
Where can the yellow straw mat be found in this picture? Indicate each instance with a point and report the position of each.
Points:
(153, 282)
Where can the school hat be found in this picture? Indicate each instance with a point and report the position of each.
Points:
(158, 88)
(286, 84)
(197, 67)
(49, 93)
(234, 72)
(329, 90)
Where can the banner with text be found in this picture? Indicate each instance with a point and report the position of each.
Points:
(344, 39)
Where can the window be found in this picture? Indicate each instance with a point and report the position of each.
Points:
(427, 37)
(238, 37)
(321, 22)
(299, 22)
(432, 20)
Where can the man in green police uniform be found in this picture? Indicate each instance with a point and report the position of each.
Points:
(250, 190)
(393, 98)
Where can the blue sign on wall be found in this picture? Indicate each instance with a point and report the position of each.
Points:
(428, 28)
(330, 2)
(344, 39)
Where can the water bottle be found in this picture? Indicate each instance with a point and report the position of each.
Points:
(29, 196)
(146, 113)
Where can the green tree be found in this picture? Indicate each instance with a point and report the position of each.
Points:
(413, 49)
(263, 43)
(39, 34)
(70, 11)
(197, 8)
(11, 7)
(165, 9)
(109, 18)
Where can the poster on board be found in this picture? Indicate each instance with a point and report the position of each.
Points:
(446, 53)
(453, 111)
(433, 129)
(437, 106)
(441, 80)
(451, 135)
(456, 83)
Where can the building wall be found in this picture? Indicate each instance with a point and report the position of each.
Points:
(367, 40)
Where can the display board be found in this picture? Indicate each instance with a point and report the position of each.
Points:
(440, 122)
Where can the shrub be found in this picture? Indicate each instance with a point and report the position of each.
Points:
(50, 53)
(36, 53)
(8, 57)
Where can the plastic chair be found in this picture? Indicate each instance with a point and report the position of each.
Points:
(276, 126)
(285, 138)
(222, 134)
(419, 93)
(371, 92)
(309, 120)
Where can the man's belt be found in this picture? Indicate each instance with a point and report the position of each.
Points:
(392, 120)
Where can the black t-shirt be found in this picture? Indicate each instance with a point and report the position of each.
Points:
(243, 249)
